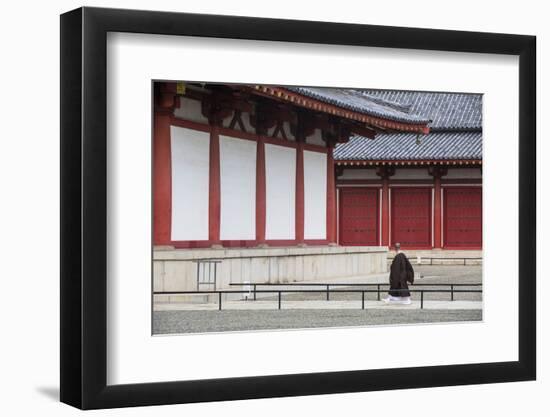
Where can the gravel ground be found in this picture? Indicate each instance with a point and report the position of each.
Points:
(170, 322)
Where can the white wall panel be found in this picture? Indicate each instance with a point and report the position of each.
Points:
(280, 167)
(190, 172)
(359, 174)
(238, 188)
(469, 173)
(316, 138)
(412, 174)
(315, 195)
(190, 110)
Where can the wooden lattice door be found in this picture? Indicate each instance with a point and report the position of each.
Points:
(359, 216)
(411, 217)
(462, 212)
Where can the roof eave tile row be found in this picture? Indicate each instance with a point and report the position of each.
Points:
(436, 146)
(341, 109)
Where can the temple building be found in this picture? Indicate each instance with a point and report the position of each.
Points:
(421, 191)
(291, 183)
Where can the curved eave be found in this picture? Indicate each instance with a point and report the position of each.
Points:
(317, 105)
(425, 162)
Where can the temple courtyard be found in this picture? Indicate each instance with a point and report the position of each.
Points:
(312, 310)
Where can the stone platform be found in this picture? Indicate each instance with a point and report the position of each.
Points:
(176, 269)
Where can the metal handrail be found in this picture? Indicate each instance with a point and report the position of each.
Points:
(464, 260)
(280, 292)
(343, 284)
(355, 284)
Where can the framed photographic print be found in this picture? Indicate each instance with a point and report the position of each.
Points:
(257, 208)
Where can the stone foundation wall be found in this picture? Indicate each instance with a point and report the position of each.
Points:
(442, 257)
(176, 270)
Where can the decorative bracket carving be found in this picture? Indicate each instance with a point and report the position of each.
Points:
(437, 171)
(385, 171)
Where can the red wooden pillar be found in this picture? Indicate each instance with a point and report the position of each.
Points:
(331, 197)
(299, 228)
(260, 191)
(437, 213)
(162, 166)
(385, 173)
(214, 202)
(437, 173)
(385, 220)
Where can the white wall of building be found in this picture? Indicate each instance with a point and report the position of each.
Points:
(466, 173)
(280, 167)
(316, 138)
(190, 175)
(411, 174)
(190, 110)
(359, 174)
(238, 188)
(286, 128)
(315, 195)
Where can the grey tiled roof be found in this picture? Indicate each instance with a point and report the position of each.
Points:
(357, 101)
(403, 147)
(448, 111)
(455, 130)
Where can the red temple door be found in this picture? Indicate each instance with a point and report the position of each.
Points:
(411, 217)
(462, 217)
(359, 212)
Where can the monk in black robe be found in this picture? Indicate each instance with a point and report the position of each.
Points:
(401, 272)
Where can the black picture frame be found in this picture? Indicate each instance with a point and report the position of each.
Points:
(84, 207)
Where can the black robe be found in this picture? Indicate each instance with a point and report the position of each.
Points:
(401, 271)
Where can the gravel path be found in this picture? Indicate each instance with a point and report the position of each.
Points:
(171, 322)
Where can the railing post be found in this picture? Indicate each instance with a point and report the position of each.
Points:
(219, 301)
(279, 300)
(198, 275)
(215, 274)
(328, 293)
(362, 300)
(452, 292)
(421, 299)
(378, 292)
(254, 292)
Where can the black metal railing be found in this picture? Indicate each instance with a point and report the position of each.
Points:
(328, 286)
(280, 292)
(452, 261)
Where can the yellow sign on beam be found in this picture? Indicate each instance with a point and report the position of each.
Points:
(180, 88)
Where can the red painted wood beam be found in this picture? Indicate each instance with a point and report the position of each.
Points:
(214, 203)
(385, 173)
(162, 180)
(437, 173)
(299, 220)
(331, 198)
(437, 213)
(385, 221)
(162, 164)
